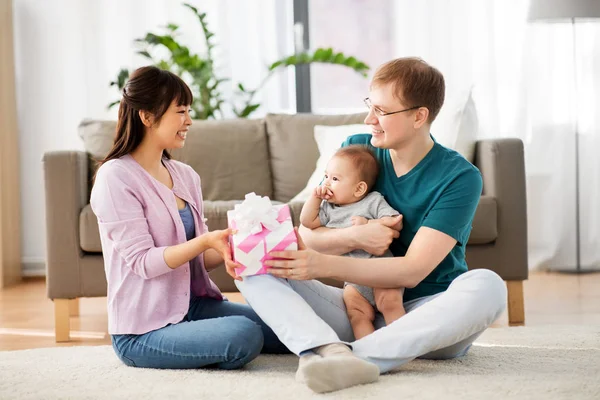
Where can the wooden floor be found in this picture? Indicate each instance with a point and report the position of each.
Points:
(27, 316)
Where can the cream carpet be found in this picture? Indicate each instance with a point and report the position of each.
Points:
(561, 362)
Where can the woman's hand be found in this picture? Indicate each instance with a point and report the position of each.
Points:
(219, 241)
(302, 264)
(375, 238)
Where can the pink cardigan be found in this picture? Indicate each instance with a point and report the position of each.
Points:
(138, 220)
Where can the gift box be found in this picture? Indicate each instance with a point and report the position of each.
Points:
(261, 228)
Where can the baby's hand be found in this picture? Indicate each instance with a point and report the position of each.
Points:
(322, 192)
(358, 220)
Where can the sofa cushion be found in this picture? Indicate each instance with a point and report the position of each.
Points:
(215, 213)
(485, 228)
(293, 149)
(295, 210)
(89, 234)
(231, 156)
(485, 222)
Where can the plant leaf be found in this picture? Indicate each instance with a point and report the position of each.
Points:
(145, 54)
(162, 64)
(249, 109)
(339, 58)
(304, 58)
(114, 103)
(350, 62)
(122, 77)
(191, 7)
(275, 65)
(320, 55)
(291, 60)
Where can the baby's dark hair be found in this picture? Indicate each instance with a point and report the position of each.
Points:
(364, 161)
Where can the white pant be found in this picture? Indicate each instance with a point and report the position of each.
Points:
(307, 314)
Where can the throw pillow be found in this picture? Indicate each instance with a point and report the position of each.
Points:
(329, 139)
(456, 125)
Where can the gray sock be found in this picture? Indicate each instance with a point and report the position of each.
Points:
(335, 368)
(300, 378)
(333, 349)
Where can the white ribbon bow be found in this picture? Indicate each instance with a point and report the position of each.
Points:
(254, 213)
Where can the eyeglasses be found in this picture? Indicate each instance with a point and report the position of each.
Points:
(380, 113)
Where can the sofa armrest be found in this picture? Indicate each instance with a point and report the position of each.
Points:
(502, 166)
(66, 188)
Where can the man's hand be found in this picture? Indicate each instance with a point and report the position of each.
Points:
(322, 192)
(301, 264)
(375, 238)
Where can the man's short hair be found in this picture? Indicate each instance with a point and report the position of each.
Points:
(414, 82)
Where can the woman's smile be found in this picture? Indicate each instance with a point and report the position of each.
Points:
(182, 134)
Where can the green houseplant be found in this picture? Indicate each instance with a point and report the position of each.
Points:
(198, 70)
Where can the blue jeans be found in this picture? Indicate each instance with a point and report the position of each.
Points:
(214, 333)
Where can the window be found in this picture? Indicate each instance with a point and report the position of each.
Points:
(359, 28)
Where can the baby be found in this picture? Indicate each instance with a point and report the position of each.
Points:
(343, 199)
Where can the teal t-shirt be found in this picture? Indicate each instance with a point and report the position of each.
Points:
(441, 192)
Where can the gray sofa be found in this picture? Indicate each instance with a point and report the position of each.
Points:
(273, 157)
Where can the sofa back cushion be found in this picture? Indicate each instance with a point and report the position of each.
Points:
(231, 156)
(293, 149)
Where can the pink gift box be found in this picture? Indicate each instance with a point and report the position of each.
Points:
(252, 250)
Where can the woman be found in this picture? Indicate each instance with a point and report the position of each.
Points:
(437, 191)
(163, 309)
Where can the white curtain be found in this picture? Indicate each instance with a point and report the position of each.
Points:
(522, 76)
(67, 52)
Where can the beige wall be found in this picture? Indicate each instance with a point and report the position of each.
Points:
(10, 213)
